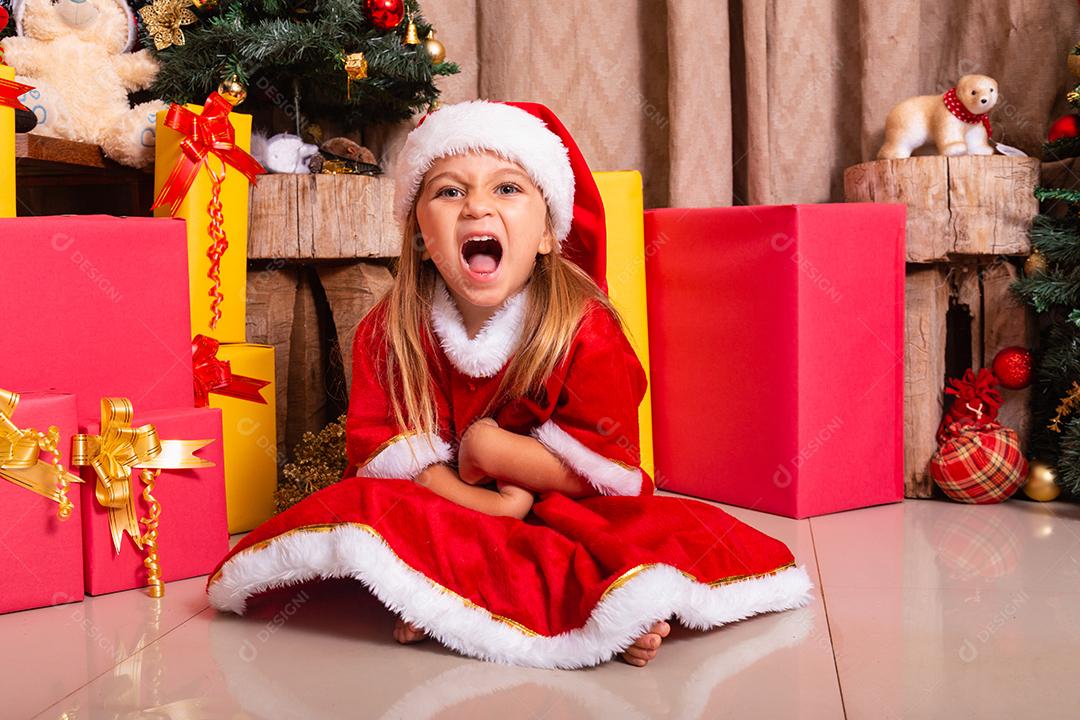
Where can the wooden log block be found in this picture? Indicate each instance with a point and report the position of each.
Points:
(965, 290)
(926, 302)
(307, 371)
(322, 217)
(967, 205)
(271, 300)
(351, 291)
(1008, 321)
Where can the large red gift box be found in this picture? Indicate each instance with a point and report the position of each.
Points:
(776, 343)
(41, 555)
(192, 529)
(97, 306)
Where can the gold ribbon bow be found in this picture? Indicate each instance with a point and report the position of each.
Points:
(20, 457)
(119, 448)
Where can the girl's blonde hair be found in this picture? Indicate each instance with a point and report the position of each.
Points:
(556, 297)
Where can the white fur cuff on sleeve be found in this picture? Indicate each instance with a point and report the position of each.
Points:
(407, 456)
(604, 474)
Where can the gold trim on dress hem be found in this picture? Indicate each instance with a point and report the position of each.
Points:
(615, 584)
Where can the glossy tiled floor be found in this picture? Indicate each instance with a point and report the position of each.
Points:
(923, 610)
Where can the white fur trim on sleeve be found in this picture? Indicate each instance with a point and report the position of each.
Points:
(604, 474)
(407, 456)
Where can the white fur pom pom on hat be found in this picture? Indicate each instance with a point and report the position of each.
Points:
(478, 125)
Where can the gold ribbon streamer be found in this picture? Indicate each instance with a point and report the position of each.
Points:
(116, 450)
(20, 458)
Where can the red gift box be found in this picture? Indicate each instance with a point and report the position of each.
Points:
(97, 306)
(776, 345)
(192, 529)
(41, 555)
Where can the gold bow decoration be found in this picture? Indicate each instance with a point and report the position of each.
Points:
(21, 462)
(117, 449)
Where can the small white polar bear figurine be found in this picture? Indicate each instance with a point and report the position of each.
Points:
(956, 122)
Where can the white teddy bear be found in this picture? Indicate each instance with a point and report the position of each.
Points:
(76, 55)
(956, 130)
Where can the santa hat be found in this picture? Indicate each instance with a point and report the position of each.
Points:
(19, 10)
(530, 135)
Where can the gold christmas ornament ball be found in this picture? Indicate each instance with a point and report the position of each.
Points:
(1035, 263)
(1041, 482)
(1074, 61)
(356, 66)
(435, 49)
(233, 90)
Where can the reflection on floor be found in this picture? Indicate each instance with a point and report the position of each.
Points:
(923, 609)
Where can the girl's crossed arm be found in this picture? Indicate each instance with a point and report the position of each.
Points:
(508, 500)
(488, 451)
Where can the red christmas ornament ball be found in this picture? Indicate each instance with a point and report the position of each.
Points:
(1012, 366)
(386, 14)
(4, 17)
(1066, 126)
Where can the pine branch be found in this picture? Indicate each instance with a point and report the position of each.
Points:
(1062, 149)
(1058, 239)
(275, 49)
(1064, 194)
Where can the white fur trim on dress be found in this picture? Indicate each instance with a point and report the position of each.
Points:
(476, 125)
(485, 354)
(604, 474)
(623, 615)
(407, 456)
(18, 9)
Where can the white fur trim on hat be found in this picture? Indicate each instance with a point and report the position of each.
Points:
(509, 131)
(18, 10)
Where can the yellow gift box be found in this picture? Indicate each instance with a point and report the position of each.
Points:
(234, 199)
(624, 212)
(249, 436)
(7, 152)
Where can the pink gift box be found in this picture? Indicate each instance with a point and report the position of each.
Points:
(776, 345)
(97, 306)
(40, 555)
(192, 529)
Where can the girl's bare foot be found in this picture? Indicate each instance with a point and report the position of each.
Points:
(644, 649)
(406, 633)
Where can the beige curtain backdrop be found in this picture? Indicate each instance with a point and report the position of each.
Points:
(721, 102)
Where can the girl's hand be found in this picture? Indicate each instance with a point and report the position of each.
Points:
(517, 501)
(474, 446)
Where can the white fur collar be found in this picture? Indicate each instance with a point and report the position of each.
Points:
(485, 354)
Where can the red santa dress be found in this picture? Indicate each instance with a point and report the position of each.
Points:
(574, 583)
(578, 580)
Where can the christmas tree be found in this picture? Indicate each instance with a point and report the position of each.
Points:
(1051, 285)
(352, 63)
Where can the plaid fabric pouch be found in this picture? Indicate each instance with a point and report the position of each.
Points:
(981, 462)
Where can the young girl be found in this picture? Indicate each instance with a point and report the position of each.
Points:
(494, 370)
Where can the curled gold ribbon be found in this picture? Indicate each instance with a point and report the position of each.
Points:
(116, 450)
(21, 462)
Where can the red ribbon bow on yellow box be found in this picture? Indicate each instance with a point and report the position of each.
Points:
(10, 92)
(216, 376)
(210, 132)
(206, 134)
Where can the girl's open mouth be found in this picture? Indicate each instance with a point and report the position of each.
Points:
(481, 255)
